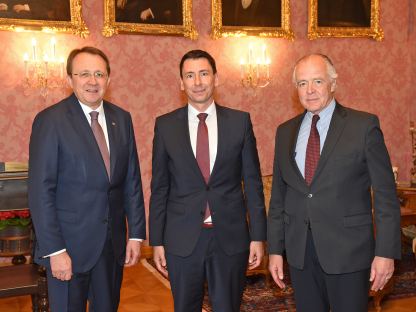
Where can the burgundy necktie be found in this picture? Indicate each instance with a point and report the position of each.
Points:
(202, 155)
(312, 151)
(99, 137)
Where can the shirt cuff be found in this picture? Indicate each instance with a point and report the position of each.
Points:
(55, 253)
(136, 239)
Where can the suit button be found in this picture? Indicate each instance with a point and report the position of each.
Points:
(207, 188)
(310, 195)
(202, 213)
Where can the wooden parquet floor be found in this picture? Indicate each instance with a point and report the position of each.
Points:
(143, 292)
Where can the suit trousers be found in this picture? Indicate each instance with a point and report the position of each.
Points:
(100, 286)
(318, 291)
(224, 274)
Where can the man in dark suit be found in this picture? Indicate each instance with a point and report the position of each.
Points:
(257, 13)
(84, 182)
(198, 212)
(327, 160)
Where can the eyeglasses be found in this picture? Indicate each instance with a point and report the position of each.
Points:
(316, 83)
(87, 75)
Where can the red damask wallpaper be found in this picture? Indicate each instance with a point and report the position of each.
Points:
(374, 76)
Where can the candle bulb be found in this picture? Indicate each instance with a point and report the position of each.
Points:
(26, 59)
(34, 49)
(45, 60)
(53, 43)
(242, 68)
(250, 54)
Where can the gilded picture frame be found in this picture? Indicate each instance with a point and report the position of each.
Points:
(172, 17)
(344, 18)
(59, 16)
(270, 18)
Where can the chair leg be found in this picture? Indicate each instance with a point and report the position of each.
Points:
(35, 303)
(43, 301)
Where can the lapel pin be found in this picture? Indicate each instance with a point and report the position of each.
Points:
(113, 123)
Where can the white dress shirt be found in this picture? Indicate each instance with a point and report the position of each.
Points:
(212, 126)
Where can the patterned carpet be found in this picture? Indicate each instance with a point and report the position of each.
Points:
(259, 297)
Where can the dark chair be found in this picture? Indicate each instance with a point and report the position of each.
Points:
(20, 279)
(263, 268)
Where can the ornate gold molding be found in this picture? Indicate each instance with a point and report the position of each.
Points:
(75, 26)
(315, 31)
(219, 30)
(112, 27)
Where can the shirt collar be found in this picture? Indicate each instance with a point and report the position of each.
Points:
(326, 112)
(193, 112)
(87, 110)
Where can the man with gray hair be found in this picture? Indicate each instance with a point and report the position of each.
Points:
(327, 161)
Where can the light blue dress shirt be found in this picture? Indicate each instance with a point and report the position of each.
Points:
(325, 117)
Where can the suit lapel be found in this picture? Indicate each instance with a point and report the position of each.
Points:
(112, 131)
(222, 136)
(293, 141)
(81, 126)
(185, 140)
(336, 127)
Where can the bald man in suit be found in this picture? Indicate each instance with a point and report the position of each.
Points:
(328, 162)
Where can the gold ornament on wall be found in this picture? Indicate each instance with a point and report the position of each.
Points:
(57, 16)
(44, 69)
(344, 18)
(167, 17)
(265, 18)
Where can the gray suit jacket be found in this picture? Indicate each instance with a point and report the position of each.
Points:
(338, 203)
(179, 192)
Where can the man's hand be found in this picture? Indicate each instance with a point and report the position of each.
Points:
(121, 3)
(381, 271)
(61, 266)
(276, 269)
(3, 7)
(146, 14)
(132, 252)
(256, 255)
(160, 260)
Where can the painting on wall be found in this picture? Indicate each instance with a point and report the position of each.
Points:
(162, 17)
(45, 15)
(265, 18)
(344, 18)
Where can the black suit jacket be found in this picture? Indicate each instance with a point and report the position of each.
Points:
(338, 203)
(179, 192)
(71, 199)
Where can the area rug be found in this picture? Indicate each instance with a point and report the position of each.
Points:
(269, 298)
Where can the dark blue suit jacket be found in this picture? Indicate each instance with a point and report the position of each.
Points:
(180, 194)
(71, 199)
